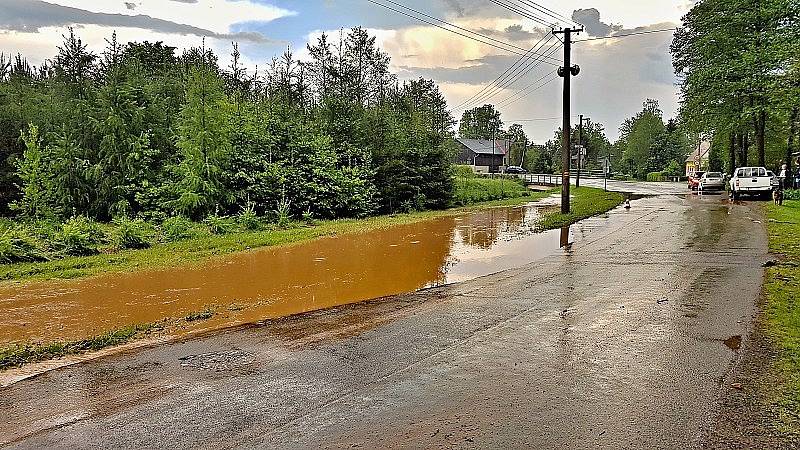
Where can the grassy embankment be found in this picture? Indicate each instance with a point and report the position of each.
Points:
(587, 202)
(782, 288)
(203, 241)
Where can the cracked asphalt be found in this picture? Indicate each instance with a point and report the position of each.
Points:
(624, 339)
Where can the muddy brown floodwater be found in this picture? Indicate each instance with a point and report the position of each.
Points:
(279, 281)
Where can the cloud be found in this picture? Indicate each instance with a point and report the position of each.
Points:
(29, 16)
(590, 18)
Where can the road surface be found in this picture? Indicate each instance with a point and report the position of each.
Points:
(622, 340)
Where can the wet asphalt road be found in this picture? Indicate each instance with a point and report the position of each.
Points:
(617, 342)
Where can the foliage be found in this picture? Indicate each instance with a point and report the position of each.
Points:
(480, 189)
(482, 122)
(131, 234)
(79, 236)
(586, 203)
(782, 288)
(464, 172)
(656, 176)
(18, 245)
(219, 224)
(178, 228)
(17, 355)
(647, 144)
(737, 64)
(142, 132)
(247, 219)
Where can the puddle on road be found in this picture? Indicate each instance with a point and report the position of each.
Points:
(733, 342)
(275, 282)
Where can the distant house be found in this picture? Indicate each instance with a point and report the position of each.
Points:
(697, 161)
(483, 155)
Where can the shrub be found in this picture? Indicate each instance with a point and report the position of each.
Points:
(178, 228)
(656, 176)
(791, 194)
(463, 171)
(131, 234)
(219, 224)
(478, 189)
(18, 245)
(79, 236)
(248, 219)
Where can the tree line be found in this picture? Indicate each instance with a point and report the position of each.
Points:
(142, 131)
(738, 65)
(648, 143)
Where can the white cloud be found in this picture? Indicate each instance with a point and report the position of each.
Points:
(213, 15)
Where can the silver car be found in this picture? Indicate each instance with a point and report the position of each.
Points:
(712, 181)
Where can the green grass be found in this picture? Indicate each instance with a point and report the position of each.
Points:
(782, 288)
(477, 189)
(587, 202)
(18, 355)
(199, 315)
(205, 246)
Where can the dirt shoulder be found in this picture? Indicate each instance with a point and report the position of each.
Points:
(749, 416)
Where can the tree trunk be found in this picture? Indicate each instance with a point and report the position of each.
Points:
(760, 122)
(732, 152)
(740, 149)
(790, 147)
(745, 148)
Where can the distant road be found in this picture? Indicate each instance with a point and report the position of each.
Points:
(637, 187)
(623, 340)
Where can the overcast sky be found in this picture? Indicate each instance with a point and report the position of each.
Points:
(617, 75)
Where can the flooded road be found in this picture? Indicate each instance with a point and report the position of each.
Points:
(275, 282)
(626, 339)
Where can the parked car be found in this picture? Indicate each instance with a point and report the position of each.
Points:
(516, 170)
(712, 181)
(750, 181)
(694, 180)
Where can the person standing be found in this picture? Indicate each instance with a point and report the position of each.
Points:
(783, 177)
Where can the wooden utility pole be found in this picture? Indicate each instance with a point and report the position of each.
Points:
(567, 72)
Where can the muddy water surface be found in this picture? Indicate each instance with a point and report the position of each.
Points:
(275, 282)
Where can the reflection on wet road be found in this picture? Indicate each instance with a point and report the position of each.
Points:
(276, 282)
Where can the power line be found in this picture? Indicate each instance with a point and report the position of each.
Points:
(544, 10)
(636, 33)
(518, 61)
(515, 8)
(525, 91)
(507, 79)
(500, 103)
(511, 48)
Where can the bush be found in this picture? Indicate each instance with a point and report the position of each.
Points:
(79, 236)
(791, 194)
(18, 245)
(131, 234)
(463, 172)
(476, 190)
(248, 219)
(178, 228)
(656, 176)
(219, 224)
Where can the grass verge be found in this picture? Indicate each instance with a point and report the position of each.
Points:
(587, 202)
(201, 248)
(782, 289)
(21, 354)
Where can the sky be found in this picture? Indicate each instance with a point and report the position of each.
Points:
(616, 76)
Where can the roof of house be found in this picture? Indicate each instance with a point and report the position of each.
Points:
(484, 146)
(701, 153)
